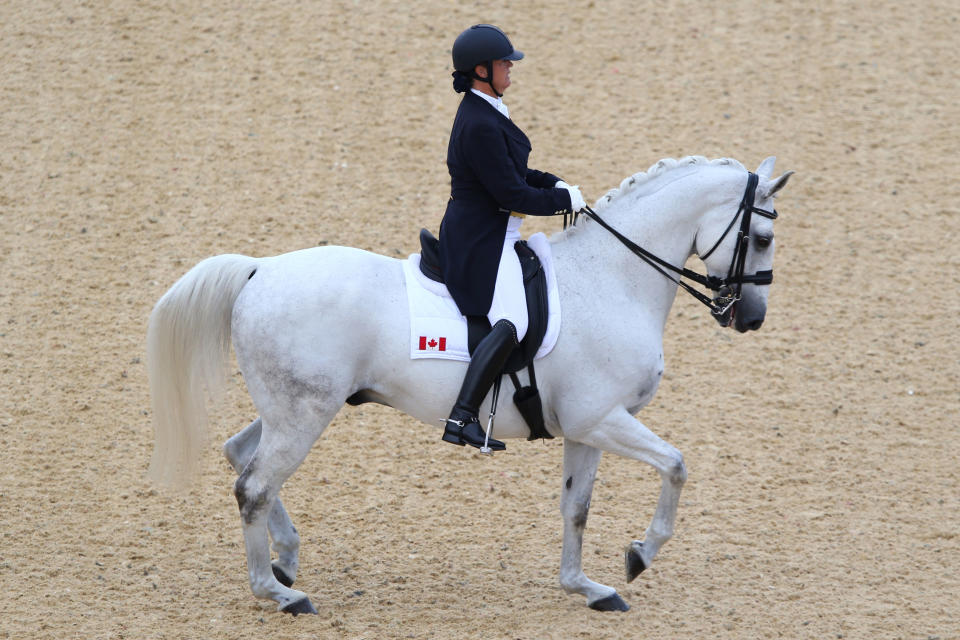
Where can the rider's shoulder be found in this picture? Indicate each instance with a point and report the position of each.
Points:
(480, 125)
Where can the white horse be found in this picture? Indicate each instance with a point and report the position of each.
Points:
(313, 328)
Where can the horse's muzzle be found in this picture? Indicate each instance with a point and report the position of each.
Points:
(744, 314)
(747, 316)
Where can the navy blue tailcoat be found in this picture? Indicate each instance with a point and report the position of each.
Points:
(489, 178)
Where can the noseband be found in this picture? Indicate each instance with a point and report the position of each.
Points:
(727, 289)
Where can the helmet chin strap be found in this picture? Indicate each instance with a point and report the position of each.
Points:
(488, 79)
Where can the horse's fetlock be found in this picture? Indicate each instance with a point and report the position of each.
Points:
(261, 588)
(572, 582)
(288, 542)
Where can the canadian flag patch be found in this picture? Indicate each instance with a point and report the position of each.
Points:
(432, 344)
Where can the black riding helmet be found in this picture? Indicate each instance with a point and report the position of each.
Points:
(481, 44)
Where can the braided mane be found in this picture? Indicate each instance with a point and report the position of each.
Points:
(634, 182)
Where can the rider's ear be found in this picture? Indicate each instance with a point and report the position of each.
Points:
(767, 188)
(481, 70)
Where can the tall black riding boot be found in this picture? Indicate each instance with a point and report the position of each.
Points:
(463, 425)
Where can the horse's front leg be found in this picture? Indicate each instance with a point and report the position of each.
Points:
(238, 450)
(579, 470)
(624, 435)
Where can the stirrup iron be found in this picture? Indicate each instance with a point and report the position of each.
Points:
(485, 450)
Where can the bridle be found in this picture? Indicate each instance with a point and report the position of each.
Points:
(728, 289)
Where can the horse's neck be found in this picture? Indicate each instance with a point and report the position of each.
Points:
(591, 259)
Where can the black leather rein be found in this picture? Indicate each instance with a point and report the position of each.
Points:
(728, 289)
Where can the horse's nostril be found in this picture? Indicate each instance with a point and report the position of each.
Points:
(749, 323)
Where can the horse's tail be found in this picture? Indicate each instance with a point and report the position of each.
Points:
(188, 345)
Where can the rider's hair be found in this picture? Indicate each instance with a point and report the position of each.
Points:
(461, 82)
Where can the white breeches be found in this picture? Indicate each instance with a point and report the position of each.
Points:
(509, 299)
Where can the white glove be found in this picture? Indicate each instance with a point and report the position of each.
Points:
(576, 198)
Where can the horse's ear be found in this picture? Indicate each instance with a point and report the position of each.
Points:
(767, 188)
(765, 170)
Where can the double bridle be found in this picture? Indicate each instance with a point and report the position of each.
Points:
(727, 289)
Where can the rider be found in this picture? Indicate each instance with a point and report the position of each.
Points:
(491, 189)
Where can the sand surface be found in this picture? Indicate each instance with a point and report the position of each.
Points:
(137, 138)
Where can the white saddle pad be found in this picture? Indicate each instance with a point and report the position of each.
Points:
(438, 330)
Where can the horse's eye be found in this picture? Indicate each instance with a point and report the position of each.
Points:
(763, 242)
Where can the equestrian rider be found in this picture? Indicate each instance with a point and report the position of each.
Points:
(491, 189)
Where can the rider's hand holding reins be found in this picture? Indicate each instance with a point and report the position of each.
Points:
(576, 198)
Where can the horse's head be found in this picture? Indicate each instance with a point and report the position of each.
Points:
(739, 251)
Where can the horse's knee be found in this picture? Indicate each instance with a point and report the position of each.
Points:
(571, 580)
(677, 470)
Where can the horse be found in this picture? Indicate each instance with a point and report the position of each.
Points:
(316, 328)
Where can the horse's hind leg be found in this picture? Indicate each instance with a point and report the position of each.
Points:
(238, 450)
(283, 446)
(579, 470)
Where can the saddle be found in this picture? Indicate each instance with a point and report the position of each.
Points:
(527, 398)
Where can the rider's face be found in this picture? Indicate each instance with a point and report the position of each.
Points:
(501, 76)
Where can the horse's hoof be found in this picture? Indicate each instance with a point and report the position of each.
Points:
(634, 561)
(303, 605)
(613, 602)
(282, 577)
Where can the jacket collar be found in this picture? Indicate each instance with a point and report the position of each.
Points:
(496, 103)
(480, 103)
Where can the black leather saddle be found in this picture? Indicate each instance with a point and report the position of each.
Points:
(534, 283)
